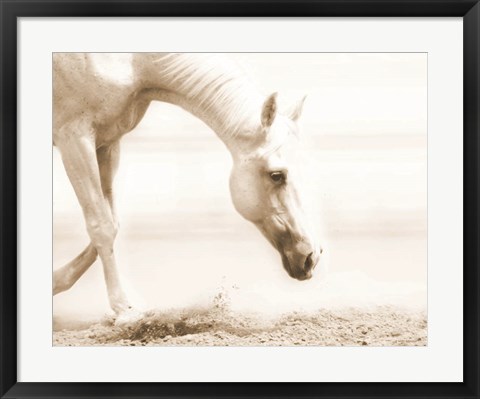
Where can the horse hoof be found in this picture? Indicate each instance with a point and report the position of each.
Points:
(128, 317)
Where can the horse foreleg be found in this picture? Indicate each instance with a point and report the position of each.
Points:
(80, 160)
(108, 158)
(65, 277)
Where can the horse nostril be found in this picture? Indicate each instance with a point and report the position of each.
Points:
(321, 251)
(309, 262)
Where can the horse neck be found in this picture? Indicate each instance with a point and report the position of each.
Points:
(211, 88)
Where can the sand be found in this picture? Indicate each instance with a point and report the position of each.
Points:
(217, 325)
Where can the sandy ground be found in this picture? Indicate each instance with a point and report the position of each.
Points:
(219, 326)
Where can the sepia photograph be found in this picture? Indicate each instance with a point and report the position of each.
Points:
(239, 199)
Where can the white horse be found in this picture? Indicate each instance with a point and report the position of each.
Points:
(97, 98)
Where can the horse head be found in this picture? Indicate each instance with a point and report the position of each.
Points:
(264, 188)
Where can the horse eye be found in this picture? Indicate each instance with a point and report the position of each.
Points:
(277, 177)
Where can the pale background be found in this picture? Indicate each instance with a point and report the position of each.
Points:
(181, 241)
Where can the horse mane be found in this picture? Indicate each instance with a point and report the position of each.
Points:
(216, 84)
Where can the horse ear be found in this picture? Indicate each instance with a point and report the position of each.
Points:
(296, 111)
(269, 110)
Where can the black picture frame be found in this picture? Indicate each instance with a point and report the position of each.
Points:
(10, 10)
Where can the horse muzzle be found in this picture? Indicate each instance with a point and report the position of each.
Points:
(300, 265)
(299, 253)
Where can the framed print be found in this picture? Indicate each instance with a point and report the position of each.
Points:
(234, 200)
